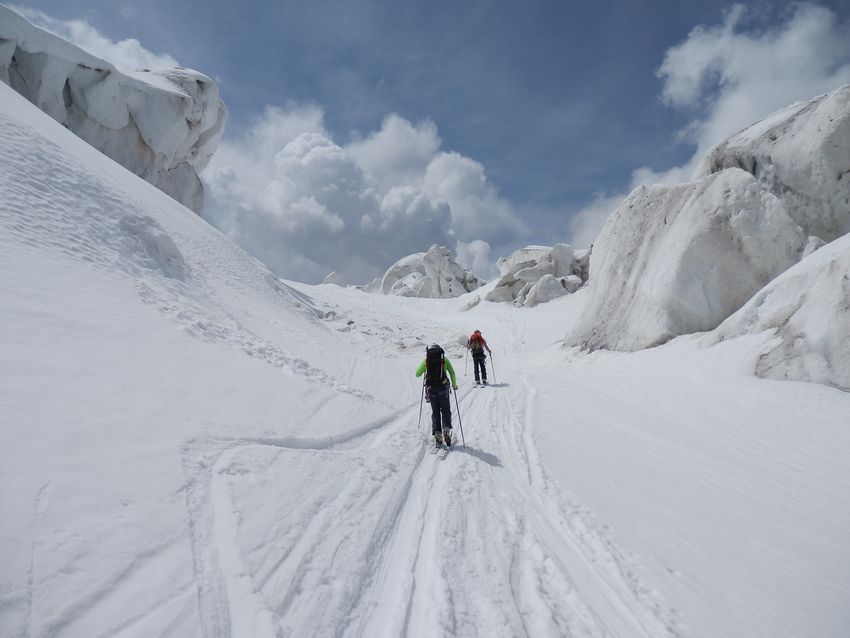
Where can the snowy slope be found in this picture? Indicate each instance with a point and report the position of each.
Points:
(193, 448)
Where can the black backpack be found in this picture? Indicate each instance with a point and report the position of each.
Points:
(435, 369)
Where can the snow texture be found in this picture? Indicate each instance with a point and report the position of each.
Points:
(162, 125)
(537, 274)
(193, 447)
(801, 154)
(676, 260)
(681, 259)
(432, 274)
(808, 308)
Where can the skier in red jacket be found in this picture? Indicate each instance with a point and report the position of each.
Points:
(477, 344)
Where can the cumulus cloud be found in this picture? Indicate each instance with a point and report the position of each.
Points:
(584, 226)
(306, 205)
(127, 55)
(731, 75)
(744, 75)
(475, 256)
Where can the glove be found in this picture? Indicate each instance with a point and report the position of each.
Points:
(454, 387)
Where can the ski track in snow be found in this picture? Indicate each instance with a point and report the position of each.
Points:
(480, 543)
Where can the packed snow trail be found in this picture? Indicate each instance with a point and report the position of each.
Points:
(409, 544)
(369, 535)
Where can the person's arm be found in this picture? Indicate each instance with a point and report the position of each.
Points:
(484, 341)
(421, 369)
(451, 372)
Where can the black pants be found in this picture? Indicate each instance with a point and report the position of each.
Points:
(441, 410)
(478, 361)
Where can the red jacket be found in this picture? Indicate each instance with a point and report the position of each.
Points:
(478, 342)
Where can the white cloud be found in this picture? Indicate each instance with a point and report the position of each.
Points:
(477, 209)
(399, 152)
(475, 256)
(730, 77)
(742, 76)
(127, 55)
(584, 226)
(285, 191)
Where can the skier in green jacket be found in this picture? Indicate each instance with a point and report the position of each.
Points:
(434, 367)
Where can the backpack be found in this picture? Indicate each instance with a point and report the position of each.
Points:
(476, 342)
(435, 369)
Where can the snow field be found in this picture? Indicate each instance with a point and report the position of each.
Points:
(193, 447)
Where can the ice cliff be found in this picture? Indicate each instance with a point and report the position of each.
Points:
(536, 274)
(674, 260)
(162, 125)
(808, 307)
(434, 273)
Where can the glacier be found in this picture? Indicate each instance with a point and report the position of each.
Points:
(164, 126)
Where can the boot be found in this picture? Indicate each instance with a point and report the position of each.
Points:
(447, 434)
(438, 440)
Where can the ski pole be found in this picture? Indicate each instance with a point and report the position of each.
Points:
(421, 398)
(493, 365)
(459, 420)
(465, 361)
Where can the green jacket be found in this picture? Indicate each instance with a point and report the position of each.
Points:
(446, 364)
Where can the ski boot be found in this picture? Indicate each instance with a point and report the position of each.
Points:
(438, 441)
(447, 436)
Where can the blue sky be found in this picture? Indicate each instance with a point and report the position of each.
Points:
(559, 106)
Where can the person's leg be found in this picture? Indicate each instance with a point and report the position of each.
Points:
(475, 364)
(436, 430)
(446, 410)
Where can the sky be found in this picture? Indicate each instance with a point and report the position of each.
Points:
(361, 132)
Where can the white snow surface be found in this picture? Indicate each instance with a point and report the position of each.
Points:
(537, 274)
(677, 260)
(801, 154)
(681, 259)
(432, 274)
(192, 447)
(808, 307)
(162, 125)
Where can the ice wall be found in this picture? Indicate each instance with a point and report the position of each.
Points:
(537, 274)
(162, 125)
(433, 274)
(674, 260)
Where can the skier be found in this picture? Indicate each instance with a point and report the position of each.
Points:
(477, 343)
(437, 392)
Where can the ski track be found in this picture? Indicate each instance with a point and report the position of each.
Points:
(480, 543)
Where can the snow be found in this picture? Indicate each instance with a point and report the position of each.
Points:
(433, 274)
(537, 274)
(681, 259)
(677, 260)
(162, 125)
(193, 447)
(801, 154)
(808, 307)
